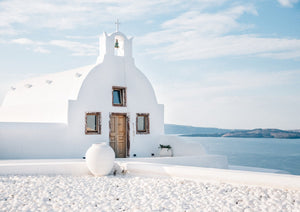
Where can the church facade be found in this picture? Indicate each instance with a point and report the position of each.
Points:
(61, 115)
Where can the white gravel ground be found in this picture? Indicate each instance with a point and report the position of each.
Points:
(132, 193)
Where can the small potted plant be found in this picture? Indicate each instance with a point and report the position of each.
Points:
(165, 150)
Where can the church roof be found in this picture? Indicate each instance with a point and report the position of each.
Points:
(43, 99)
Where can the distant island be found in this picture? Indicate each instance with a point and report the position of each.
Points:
(190, 131)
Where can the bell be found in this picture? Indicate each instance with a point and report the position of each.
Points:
(117, 44)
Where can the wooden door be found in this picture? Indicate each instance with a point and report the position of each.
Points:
(118, 134)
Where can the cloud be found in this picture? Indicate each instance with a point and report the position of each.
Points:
(8, 31)
(193, 24)
(197, 47)
(41, 13)
(288, 3)
(77, 48)
(41, 50)
(35, 46)
(65, 14)
(209, 23)
(78, 37)
(196, 35)
(193, 34)
(292, 54)
(234, 99)
(23, 41)
(228, 83)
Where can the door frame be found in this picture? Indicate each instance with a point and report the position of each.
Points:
(127, 149)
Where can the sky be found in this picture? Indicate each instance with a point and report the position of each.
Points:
(212, 63)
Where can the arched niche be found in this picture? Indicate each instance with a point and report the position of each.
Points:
(119, 45)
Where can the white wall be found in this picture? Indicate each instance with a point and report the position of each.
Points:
(55, 140)
(96, 96)
(34, 140)
(30, 139)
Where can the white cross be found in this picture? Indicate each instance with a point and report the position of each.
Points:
(117, 23)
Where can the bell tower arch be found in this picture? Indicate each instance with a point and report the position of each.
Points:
(114, 44)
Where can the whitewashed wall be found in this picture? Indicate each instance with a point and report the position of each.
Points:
(68, 140)
(96, 96)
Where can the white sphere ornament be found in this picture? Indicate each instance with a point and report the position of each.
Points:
(100, 159)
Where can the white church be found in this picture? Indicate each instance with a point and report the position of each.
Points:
(61, 115)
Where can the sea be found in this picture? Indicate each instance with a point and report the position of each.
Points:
(270, 153)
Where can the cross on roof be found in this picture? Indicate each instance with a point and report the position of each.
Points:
(117, 23)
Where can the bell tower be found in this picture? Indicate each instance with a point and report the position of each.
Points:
(114, 45)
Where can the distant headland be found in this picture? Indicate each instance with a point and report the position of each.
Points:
(190, 131)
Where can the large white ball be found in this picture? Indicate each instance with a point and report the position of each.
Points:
(100, 159)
